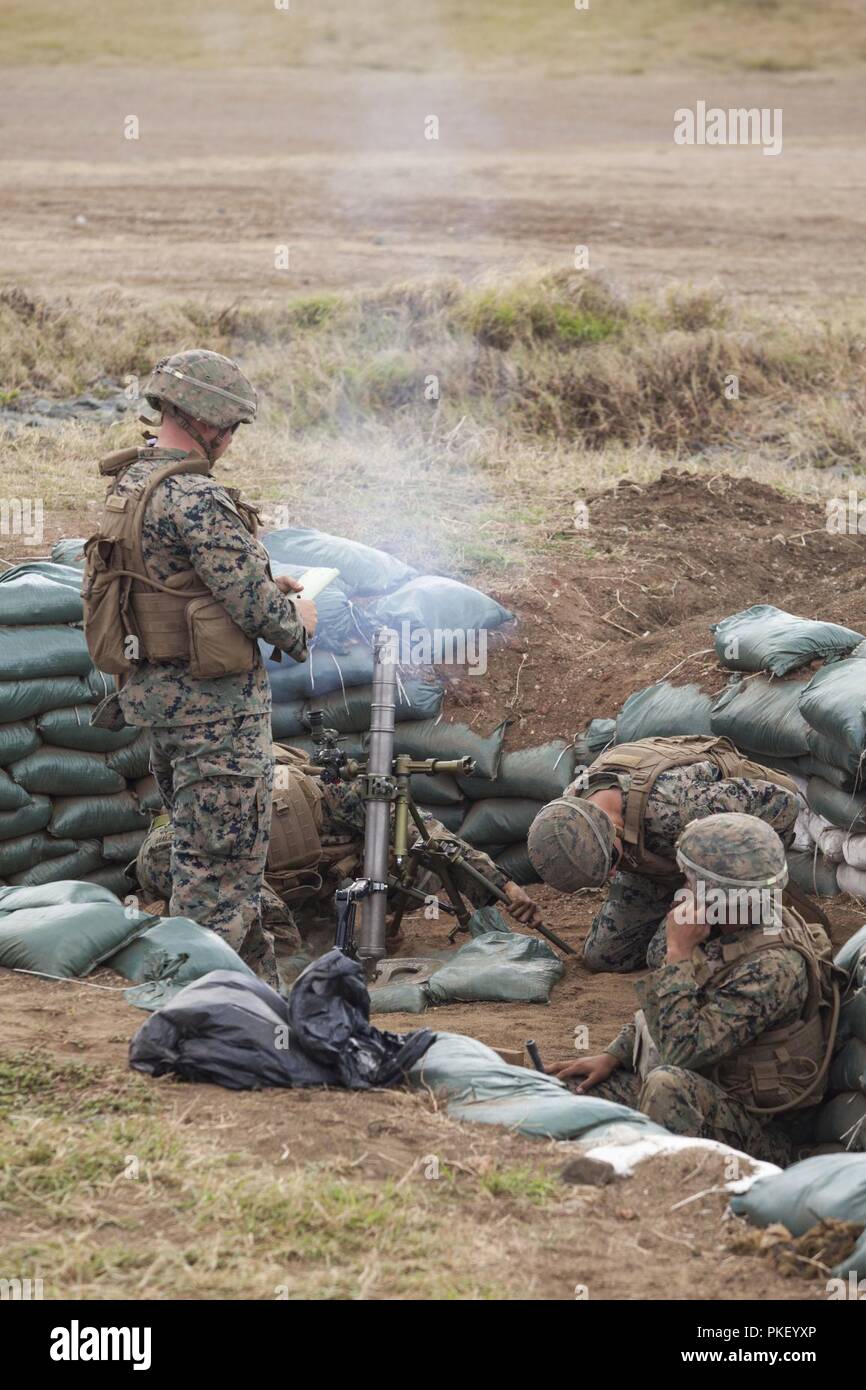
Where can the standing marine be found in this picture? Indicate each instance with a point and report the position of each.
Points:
(620, 822)
(178, 593)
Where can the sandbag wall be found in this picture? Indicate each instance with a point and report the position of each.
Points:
(75, 801)
(842, 1117)
(813, 728)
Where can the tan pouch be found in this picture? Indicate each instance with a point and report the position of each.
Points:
(217, 646)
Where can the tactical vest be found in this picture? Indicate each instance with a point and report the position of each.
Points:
(301, 859)
(644, 761)
(785, 1069)
(178, 620)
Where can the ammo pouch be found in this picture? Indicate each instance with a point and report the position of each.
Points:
(129, 617)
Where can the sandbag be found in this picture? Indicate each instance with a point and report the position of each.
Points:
(829, 1187)
(113, 878)
(842, 1120)
(430, 603)
(515, 862)
(169, 955)
(802, 841)
(28, 596)
(24, 852)
(20, 699)
(287, 721)
(439, 790)
(830, 750)
(399, 998)
(663, 711)
(133, 761)
(813, 873)
(848, 1072)
(497, 967)
(336, 626)
(852, 1018)
(69, 937)
(844, 809)
(480, 1087)
(71, 728)
(89, 817)
(829, 838)
(12, 796)
(431, 738)
(541, 774)
(850, 880)
(363, 569)
(349, 711)
(62, 772)
(836, 776)
(123, 848)
(27, 652)
(764, 638)
(834, 703)
(17, 740)
(499, 820)
(854, 851)
(762, 715)
(449, 816)
(147, 794)
(599, 735)
(68, 553)
(849, 955)
(321, 673)
(72, 864)
(33, 815)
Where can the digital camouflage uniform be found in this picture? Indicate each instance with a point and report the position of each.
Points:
(211, 739)
(312, 922)
(627, 932)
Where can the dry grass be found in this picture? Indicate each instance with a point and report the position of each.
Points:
(624, 36)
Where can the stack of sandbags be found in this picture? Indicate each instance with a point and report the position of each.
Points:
(502, 807)
(75, 801)
(842, 1117)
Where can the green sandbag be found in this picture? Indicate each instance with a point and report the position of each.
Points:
(363, 569)
(497, 968)
(147, 795)
(134, 760)
(287, 721)
(515, 862)
(663, 711)
(71, 728)
(59, 772)
(31, 652)
(113, 878)
(86, 857)
(449, 816)
(852, 1019)
(433, 603)
(171, 953)
(790, 766)
(28, 597)
(399, 998)
(842, 1120)
(11, 795)
(847, 810)
(828, 1187)
(17, 740)
(479, 1086)
(764, 638)
(122, 849)
(499, 820)
(69, 553)
(836, 776)
(35, 815)
(88, 817)
(540, 773)
(69, 938)
(834, 703)
(813, 873)
(51, 895)
(853, 951)
(25, 852)
(762, 716)
(439, 790)
(19, 699)
(599, 735)
(829, 750)
(348, 711)
(431, 738)
(848, 1072)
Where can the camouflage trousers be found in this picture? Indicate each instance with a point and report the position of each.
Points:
(216, 780)
(628, 933)
(686, 1103)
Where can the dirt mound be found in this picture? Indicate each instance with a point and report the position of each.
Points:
(628, 597)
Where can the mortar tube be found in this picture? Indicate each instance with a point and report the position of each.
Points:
(380, 759)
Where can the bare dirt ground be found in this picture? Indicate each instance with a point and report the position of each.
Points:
(230, 165)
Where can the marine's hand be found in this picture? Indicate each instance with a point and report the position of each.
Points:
(685, 928)
(594, 1070)
(520, 905)
(287, 585)
(307, 614)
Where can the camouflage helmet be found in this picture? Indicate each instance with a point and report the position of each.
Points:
(205, 386)
(733, 850)
(153, 865)
(570, 844)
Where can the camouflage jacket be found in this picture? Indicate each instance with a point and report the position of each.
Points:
(689, 793)
(694, 1027)
(192, 522)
